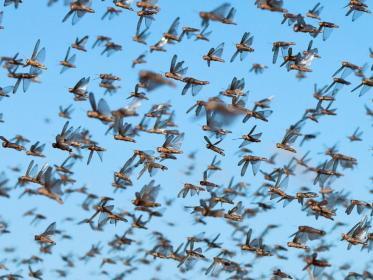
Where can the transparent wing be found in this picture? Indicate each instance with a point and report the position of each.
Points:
(36, 48)
(50, 229)
(219, 50)
(41, 55)
(103, 107)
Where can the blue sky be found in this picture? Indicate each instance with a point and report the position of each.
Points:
(25, 113)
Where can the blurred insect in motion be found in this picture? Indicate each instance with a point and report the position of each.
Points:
(139, 60)
(27, 78)
(147, 196)
(124, 4)
(193, 83)
(12, 145)
(68, 61)
(177, 70)
(141, 35)
(37, 57)
(171, 34)
(356, 136)
(219, 14)
(316, 264)
(100, 110)
(213, 146)
(214, 54)
(326, 29)
(280, 45)
(78, 8)
(111, 12)
(79, 44)
(358, 235)
(203, 35)
(1, 19)
(365, 85)
(189, 31)
(290, 136)
(45, 237)
(80, 89)
(253, 160)
(356, 8)
(250, 137)
(271, 5)
(315, 12)
(36, 150)
(243, 47)
(110, 48)
(16, 3)
(258, 68)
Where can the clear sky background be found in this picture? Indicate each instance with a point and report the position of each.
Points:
(25, 113)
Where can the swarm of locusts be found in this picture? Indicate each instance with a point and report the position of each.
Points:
(163, 176)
